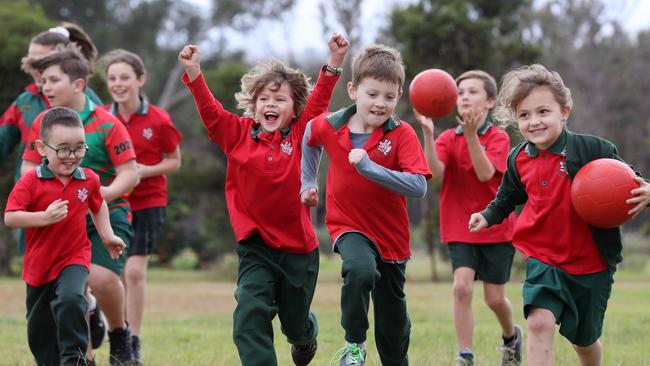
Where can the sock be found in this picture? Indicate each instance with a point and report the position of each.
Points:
(361, 345)
(92, 302)
(508, 340)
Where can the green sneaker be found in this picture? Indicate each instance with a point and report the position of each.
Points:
(350, 355)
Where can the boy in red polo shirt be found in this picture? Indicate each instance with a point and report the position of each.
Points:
(570, 264)
(278, 249)
(51, 203)
(65, 73)
(156, 144)
(375, 161)
(470, 159)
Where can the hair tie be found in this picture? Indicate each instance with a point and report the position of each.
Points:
(60, 30)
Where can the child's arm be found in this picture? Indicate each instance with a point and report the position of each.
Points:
(483, 168)
(113, 243)
(404, 183)
(309, 170)
(126, 177)
(642, 199)
(55, 212)
(9, 131)
(169, 164)
(436, 166)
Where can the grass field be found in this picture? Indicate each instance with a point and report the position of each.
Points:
(188, 321)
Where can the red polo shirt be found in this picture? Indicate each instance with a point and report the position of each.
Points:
(263, 172)
(355, 203)
(51, 248)
(153, 134)
(548, 228)
(462, 193)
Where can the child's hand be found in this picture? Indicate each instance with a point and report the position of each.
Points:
(190, 59)
(477, 223)
(471, 121)
(642, 198)
(425, 122)
(56, 211)
(115, 246)
(309, 197)
(338, 46)
(356, 155)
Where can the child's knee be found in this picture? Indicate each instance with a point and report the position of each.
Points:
(540, 322)
(462, 291)
(360, 272)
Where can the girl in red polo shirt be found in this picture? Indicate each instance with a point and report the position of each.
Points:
(278, 249)
(570, 265)
(156, 144)
(470, 159)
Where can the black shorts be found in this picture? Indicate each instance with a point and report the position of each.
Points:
(491, 262)
(148, 227)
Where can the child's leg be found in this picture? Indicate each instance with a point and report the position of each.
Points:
(463, 316)
(497, 301)
(590, 355)
(41, 328)
(109, 291)
(541, 332)
(299, 273)
(135, 279)
(392, 324)
(256, 308)
(359, 272)
(69, 310)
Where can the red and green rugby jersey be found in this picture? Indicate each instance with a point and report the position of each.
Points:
(153, 134)
(109, 142)
(18, 118)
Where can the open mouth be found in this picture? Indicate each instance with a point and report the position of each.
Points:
(271, 116)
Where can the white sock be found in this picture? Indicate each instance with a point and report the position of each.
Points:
(92, 302)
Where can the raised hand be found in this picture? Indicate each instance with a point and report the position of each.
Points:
(471, 121)
(190, 58)
(338, 46)
(425, 122)
(56, 211)
(309, 197)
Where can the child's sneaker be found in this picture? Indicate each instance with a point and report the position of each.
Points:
(135, 347)
(512, 350)
(464, 359)
(302, 355)
(96, 322)
(352, 354)
(121, 353)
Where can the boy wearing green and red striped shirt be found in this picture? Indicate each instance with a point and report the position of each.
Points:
(111, 156)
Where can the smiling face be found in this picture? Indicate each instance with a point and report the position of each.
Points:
(60, 91)
(541, 118)
(274, 107)
(123, 83)
(62, 137)
(472, 97)
(375, 99)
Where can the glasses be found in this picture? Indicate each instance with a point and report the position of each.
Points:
(64, 153)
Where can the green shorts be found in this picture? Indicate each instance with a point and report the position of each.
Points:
(122, 228)
(491, 262)
(577, 301)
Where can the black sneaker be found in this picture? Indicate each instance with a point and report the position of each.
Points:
(121, 353)
(97, 327)
(81, 361)
(135, 346)
(302, 355)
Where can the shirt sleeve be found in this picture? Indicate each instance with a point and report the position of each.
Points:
(119, 145)
(309, 163)
(9, 131)
(410, 154)
(497, 149)
(443, 146)
(171, 137)
(21, 195)
(403, 183)
(225, 129)
(318, 101)
(31, 153)
(510, 193)
(95, 198)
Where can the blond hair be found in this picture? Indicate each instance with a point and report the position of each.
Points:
(379, 62)
(272, 72)
(517, 84)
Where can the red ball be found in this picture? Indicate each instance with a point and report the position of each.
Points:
(599, 192)
(433, 93)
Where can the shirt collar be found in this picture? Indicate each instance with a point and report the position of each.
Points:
(481, 130)
(43, 172)
(256, 130)
(88, 111)
(144, 107)
(558, 147)
(342, 116)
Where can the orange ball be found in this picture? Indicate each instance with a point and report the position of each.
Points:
(433, 93)
(599, 191)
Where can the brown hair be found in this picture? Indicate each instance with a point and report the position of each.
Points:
(58, 116)
(272, 72)
(68, 58)
(517, 84)
(77, 36)
(489, 84)
(378, 62)
(120, 55)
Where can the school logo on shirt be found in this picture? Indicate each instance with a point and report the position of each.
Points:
(563, 168)
(385, 146)
(286, 148)
(82, 194)
(147, 133)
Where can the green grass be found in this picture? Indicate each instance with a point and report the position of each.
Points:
(188, 320)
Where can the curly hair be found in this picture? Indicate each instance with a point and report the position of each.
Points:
(274, 73)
